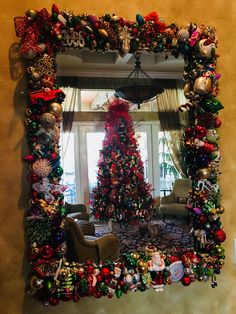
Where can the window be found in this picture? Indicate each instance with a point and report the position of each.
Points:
(168, 172)
(80, 153)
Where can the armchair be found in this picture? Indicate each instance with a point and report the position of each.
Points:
(77, 211)
(175, 203)
(81, 248)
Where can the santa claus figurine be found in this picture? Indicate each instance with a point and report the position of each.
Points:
(155, 266)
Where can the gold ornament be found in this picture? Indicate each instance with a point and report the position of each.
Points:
(56, 108)
(202, 85)
(48, 120)
(125, 38)
(203, 173)
(186, 89)
(42, 167)
(183, 35)
(142, 267)
(103, 33)
(135, 255)
(44, 66)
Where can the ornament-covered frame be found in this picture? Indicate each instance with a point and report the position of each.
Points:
(52, 278)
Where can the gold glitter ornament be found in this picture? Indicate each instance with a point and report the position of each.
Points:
(48, 120)
(42, 167)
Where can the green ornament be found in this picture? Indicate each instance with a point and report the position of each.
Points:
(33, 126)
(58, 171)
(119, 293)
(142, 288)
(62, 211)
(48, 284)
(211, 105)
(41, 195)
(54, 16)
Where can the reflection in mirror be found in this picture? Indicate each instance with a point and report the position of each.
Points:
(156, 125)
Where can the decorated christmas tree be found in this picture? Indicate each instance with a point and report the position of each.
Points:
(121, 194)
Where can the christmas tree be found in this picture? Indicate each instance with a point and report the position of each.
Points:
(121, 193)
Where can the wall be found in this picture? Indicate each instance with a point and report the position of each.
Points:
(199, 297)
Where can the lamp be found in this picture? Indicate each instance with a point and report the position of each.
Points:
(138, 87)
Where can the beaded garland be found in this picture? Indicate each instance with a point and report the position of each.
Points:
(52, 277)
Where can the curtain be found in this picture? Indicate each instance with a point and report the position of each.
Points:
(70, 106)
(172, 124)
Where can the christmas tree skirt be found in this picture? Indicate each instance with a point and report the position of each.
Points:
(171, 235)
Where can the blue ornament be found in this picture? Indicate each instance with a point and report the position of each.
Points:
(202, 160)
(139, 19)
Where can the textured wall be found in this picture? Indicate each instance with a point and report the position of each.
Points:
(199, 297)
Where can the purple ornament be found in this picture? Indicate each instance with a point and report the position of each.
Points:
(201, 160)
(197, 211)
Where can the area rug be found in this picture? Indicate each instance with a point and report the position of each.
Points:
(170, 236)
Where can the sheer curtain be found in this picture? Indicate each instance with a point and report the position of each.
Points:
(70, 105)
(172, 123)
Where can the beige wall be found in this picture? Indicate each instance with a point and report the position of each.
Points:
(199, 297)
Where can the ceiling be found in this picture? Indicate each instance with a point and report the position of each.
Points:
(74, 62)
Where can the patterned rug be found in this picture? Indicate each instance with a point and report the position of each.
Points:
(170, 236)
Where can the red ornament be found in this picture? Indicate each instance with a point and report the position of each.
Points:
(55, 9)
(54, 156)
(200, 131)
(99, 278)
(76, 298)
(188, 133)
(90, 269)
(110, 295)
(219, 236)
(53, 301)
(46, 251)
(29, 158)
(208, 147)
(105, 272)
(186, 281)
(217, 122)
(202, 219)
(33, 177)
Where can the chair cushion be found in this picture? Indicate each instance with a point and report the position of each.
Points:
(75, 208)
(87, 227)
(79, 216)
(182, 200)
(173, 209)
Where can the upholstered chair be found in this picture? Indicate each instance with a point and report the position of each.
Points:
(78, 211)
(81, 248)
(175, 203)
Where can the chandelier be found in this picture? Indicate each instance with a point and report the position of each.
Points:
(138, 87)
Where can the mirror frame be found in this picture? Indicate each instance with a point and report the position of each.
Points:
(52, 278)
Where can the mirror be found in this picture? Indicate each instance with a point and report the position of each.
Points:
(81, 146)
(56, 240)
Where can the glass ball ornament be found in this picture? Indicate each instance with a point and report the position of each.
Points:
(58, 171)
(56, 109)
(35, 283)
(201, 160)
(186, 281)
(203, 173)
(219, 236)
(48, 120)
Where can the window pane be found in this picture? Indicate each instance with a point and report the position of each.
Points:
(94, 145)
(168, 172)
(142, 143)
(68, 164)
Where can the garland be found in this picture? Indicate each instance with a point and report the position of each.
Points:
(52, 277)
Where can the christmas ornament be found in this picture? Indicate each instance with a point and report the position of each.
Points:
(42, 167)
(56, 109)
(202, 85)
